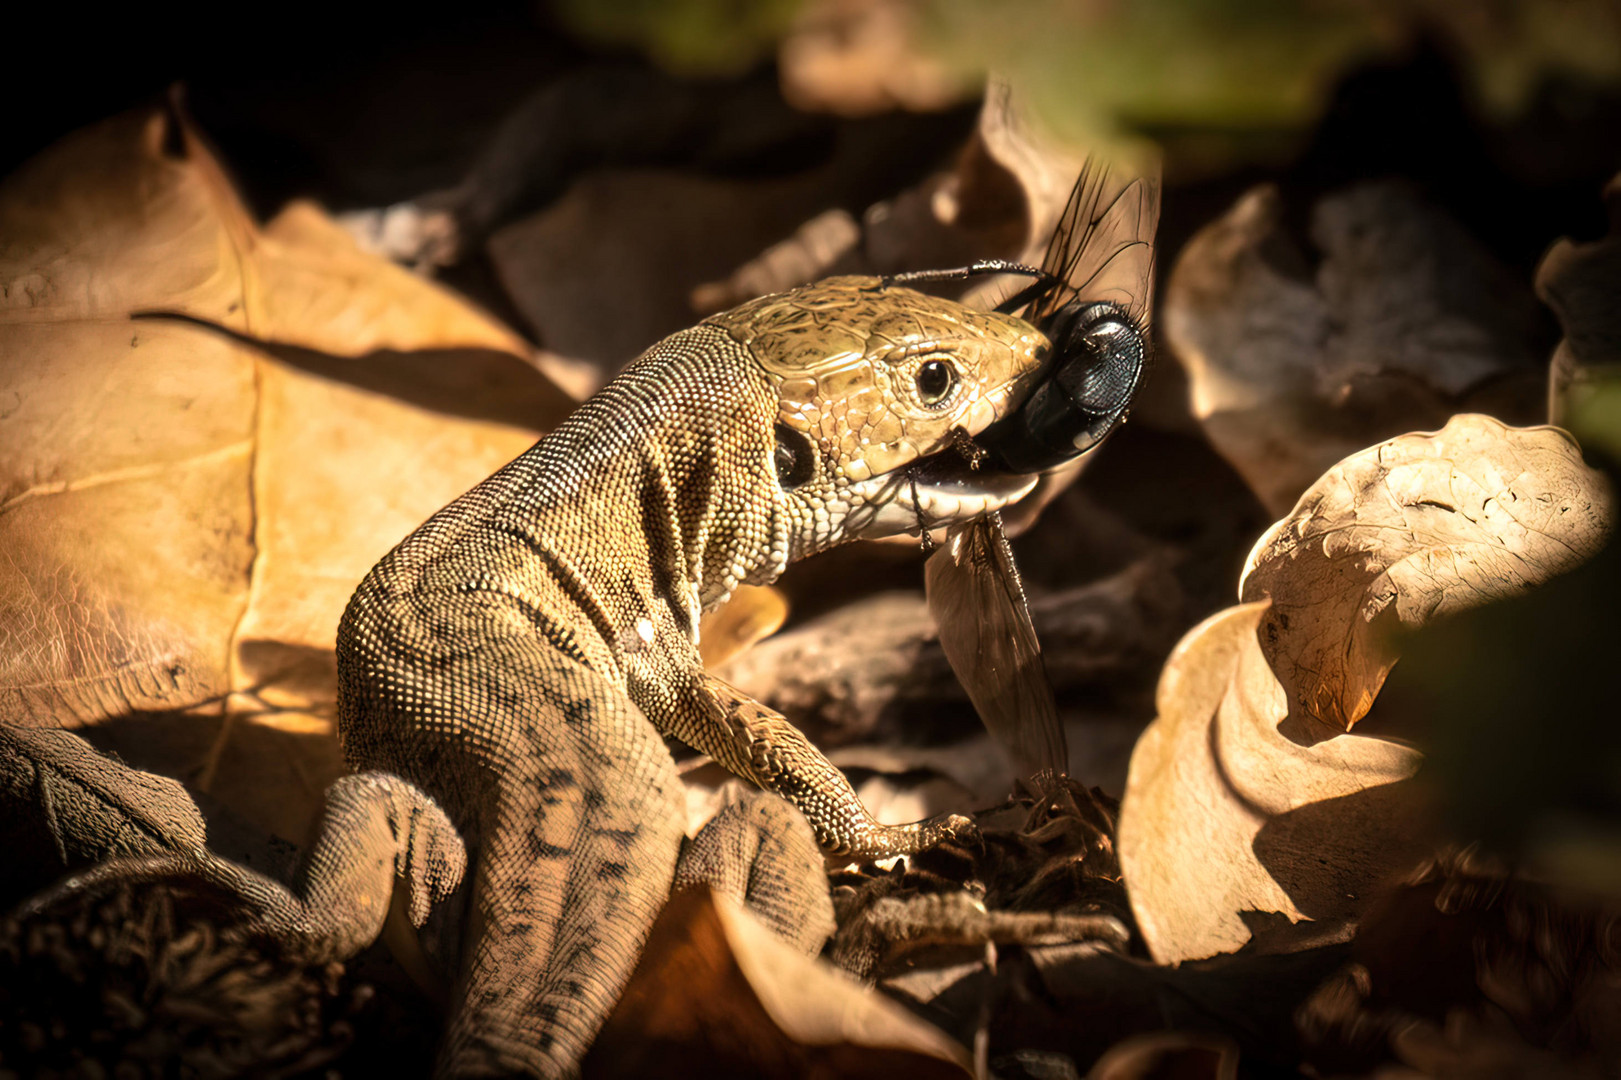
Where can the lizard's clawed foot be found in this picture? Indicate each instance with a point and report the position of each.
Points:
(955, 828)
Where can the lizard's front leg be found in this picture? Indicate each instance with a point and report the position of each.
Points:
(761, 745)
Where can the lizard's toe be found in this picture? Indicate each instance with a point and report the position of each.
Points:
(955, 828)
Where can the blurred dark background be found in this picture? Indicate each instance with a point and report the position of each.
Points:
(1506, 113)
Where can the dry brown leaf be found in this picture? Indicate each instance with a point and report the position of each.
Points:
(1300, 351)
(753, 612)
(125, 505)
(212, 432)
(1422, 526)
(717, 994)
(1234, 816)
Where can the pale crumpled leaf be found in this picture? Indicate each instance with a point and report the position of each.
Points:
(716, 993)
(1246, 799)
(1387, 318)
(209, 438)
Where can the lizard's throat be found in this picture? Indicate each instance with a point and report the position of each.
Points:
(712, 529)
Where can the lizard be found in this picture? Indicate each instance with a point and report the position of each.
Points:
(508, 674)
(521, 655)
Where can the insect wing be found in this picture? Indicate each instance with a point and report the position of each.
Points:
(1103, 246)
(1102, 251)
(979, 608)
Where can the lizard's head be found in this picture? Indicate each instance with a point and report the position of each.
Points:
(877, 385)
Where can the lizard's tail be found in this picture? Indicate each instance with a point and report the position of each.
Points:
(577, 859)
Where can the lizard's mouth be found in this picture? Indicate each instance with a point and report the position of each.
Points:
(949, 486)
(941, 489)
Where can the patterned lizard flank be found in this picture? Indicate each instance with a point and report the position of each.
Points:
(521, 655)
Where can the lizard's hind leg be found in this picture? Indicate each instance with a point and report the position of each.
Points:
(760, 852)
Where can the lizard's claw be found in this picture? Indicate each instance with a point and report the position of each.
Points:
(955, 828)
(432, 858)
(438, 862)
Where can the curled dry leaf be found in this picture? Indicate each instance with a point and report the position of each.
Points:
(1225, 819)
(209, 440)
(1246, 798)
(716, 993)
(1419, 527)
(1387, 318)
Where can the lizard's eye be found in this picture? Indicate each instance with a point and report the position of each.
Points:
(934, 381)
(794, 458)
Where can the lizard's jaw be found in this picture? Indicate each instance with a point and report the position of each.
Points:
(938, 490)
